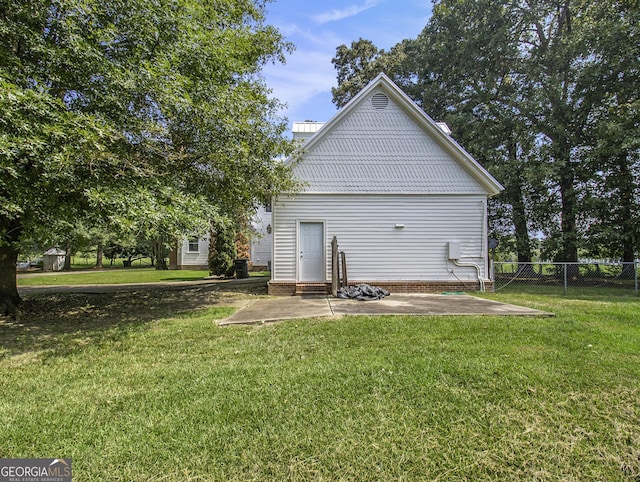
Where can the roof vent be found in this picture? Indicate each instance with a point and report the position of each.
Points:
(379, 101)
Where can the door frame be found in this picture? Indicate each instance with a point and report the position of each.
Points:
(299, 247)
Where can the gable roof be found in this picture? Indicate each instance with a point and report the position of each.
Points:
(389, 145)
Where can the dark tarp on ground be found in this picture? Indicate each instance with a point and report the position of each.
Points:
(362, 292)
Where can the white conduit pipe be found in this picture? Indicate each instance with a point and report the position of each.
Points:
(472, 265)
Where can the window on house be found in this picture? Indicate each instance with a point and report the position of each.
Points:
(194, 245)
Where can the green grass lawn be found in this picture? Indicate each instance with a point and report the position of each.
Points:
(160, 395)
(79, 262)
(115, 276)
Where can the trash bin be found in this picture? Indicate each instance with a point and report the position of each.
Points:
(242, 268)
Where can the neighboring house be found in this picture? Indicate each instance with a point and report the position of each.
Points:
(407, 204)
(261, 244)
(190, 253)
(193, 253)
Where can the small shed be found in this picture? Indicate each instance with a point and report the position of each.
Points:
(53, 260)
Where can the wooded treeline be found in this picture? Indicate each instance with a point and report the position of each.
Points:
(545, 94)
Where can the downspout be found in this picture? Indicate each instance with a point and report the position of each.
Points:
(484, 252)
(485, 236)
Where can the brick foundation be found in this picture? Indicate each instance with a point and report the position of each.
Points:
(291, 288)
(313, 289)
(281, 288)
(431, 287)
(193, 267)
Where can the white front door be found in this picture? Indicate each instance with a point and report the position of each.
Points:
(311, 252)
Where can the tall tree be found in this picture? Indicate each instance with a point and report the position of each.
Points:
(612, 143)
(355, 67)
(129, 112)
(465, 62)
(550, 76)
(582, 62)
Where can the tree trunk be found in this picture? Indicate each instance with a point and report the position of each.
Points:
(521, 230)
(9, 297)
(569, 249)
(519, 215)
(628, 226)
(626, 219)
(67, 258)
(515, 197)
(10, 232)
(99, 255)
(566, 182)
(161, 254)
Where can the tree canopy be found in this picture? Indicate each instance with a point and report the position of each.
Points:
(137, 115)
(544, 94)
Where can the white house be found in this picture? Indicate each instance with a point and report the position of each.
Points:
(191, 253)
(407, 204)
(261, 245)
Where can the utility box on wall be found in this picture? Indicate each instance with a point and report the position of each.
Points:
(453, 249)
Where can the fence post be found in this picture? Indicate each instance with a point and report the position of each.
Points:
(343, 262)
(564, 265)
(492, 274)
(335, 270)
(635, 273)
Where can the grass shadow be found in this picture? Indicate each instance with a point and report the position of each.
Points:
(51, 323)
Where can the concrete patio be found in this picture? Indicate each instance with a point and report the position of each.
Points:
(275, 309)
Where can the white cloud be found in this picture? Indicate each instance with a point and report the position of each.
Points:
(303, 37)
(339, 14)
(305, 82)
(306, 74)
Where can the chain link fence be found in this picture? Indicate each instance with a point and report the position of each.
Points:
(565, 277)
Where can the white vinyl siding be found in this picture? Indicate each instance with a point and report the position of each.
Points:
(393, 188)
(261, 240)
(261, 251)
(365, 226)
(383, 151)
(186, 257)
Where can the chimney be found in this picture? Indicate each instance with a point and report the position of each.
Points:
(303, 131)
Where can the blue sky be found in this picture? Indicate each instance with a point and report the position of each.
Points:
(316, 28)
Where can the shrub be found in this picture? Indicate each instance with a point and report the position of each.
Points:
(222, 250)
